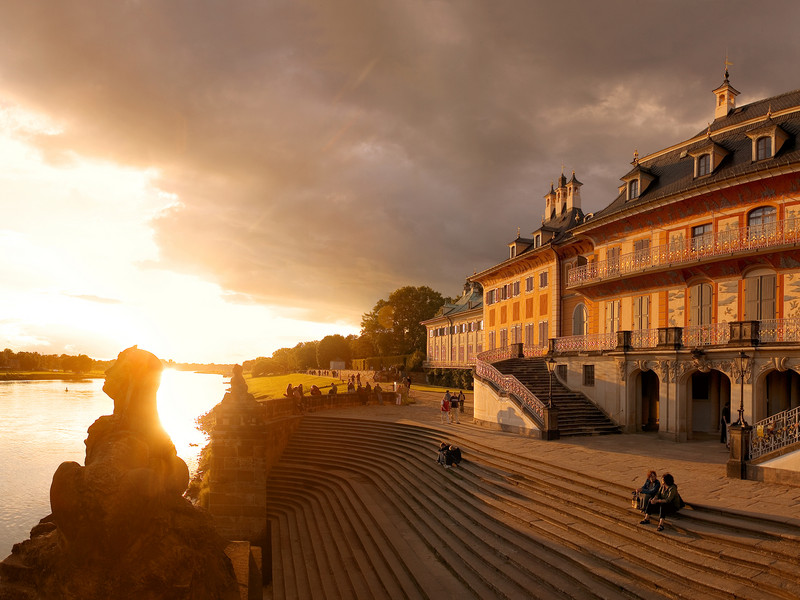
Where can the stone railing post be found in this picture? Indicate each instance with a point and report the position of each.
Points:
(744, 333)
(670, 337)
(623, 341)
(237, 496)
(550, 431)
(739, 436)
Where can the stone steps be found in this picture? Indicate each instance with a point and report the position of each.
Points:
(577, 415)
(498, 527)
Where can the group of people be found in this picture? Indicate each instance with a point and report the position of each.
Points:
(660, 498)
(449, 455)
(451, 405)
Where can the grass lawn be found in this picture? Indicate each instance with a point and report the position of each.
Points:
(274, 386)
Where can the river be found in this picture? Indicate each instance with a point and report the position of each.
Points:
(44, 423)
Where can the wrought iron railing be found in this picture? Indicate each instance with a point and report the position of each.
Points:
(497, 354)
(512, 385)
(586, 343)
(779, 330)
(534, 351)
(706, 335)
(775, 432)
(644, 338)
(690, 250)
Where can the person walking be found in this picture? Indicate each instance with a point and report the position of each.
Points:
(445, 407)
(462, 399)
(454, 409)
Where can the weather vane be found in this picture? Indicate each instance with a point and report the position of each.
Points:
(727, 64)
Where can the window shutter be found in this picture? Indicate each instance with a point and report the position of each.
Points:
(768, 294)
(751, 295)
(694, 305)
(705, 304)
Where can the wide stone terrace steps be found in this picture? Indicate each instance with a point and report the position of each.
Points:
(577, 415)
(360, 509)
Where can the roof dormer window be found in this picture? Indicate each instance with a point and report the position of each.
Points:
(767, 140)
(707, 157)
(763, 148)
(633, 189)
(703, 165)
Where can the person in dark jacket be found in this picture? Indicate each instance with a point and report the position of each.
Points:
(452, 456)
(666, 502)
(648, 490)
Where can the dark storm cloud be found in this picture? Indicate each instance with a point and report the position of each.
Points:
(326, 153)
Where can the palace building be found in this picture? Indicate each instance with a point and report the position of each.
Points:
(681, 295)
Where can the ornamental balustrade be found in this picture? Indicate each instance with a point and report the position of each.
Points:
(715, 334)
(586, 343)
(743, 239)
(511, 385)
(779, 330)
(534, 351)
(497, 354)
(644, 338)
(775, 432)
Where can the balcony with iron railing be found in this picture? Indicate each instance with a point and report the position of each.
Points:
(775, 432)
(709, 246)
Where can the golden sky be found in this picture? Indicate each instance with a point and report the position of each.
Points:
(214, 180)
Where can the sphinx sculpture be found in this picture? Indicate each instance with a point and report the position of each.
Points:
(120, 526)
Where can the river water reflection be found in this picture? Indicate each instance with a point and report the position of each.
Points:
(44, 423)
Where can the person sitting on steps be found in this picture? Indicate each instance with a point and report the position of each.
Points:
(452, 456)
(666, 502)
(648, 490)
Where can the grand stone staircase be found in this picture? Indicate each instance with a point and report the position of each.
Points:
(360, 509)
(577, 415)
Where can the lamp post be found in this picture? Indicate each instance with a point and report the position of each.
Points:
(742, 363)
(551, 366)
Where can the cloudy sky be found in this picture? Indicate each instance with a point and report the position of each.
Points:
(217, 179)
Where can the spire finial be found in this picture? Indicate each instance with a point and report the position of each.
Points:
(562, 168)
(769, 111)
(708, 131)
(635, 157)
(727, 64)
(517, 231)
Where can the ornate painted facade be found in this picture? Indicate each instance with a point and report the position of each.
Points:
(455, 334)
(652, 304)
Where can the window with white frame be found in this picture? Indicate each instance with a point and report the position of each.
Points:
(529, 284)
(542, 280)
(641, 312)
(612, 316)
(700, 306)
(579, 320)
(703, 165)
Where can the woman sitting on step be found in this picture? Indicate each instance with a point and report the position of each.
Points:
(666, 502)
(648, 490)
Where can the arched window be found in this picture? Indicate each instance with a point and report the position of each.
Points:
(633, 189)
(579, 320)
(703, 165)
(762, 221)
(763, 148)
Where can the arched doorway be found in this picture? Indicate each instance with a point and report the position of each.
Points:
(708, 393)
(647, 391)
(780, 391)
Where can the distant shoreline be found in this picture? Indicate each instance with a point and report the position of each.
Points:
(56, 376)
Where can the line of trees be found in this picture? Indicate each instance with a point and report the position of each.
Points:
(33, 361)
(391, 328)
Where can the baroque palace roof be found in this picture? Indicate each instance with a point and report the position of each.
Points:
(673, 169)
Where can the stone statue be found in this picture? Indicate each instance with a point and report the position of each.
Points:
(120, 526)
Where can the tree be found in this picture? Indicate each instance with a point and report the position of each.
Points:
(393, 325)
(332, 347)
(361, 346)
(305, 356)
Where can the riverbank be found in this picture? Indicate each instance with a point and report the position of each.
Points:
(48, 376)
